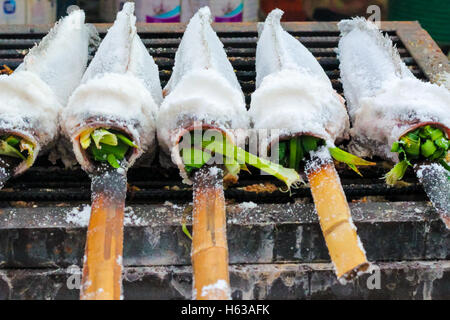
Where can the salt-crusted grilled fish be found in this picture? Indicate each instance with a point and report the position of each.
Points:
(111, 115)
(33, 95)
(203, 89)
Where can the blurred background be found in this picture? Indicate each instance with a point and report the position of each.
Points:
(433, 15)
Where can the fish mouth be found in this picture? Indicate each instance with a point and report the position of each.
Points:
(178, 134)
(438, 125)
(23, 165)
(85, 159)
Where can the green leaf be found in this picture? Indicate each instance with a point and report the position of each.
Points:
(118, 151)
(396, 173)
(292, 153)
(282, 146)
(98, 154)
(413, 135)
(442, 143)
(126, 140)
(186, 231)
(188, 169)
(440, 153)
(85, 138)
(427, 148)
(13, 141)
(395, 146)
(195, 158)
(423, 133)
(426, 131)
(436, 134)
(105, 137)
(288, 176)
(113, 161)
(8, 150)
(411, 146)
(351, 160)
(309, 143)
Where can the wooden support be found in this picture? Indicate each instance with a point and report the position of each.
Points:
(209, 243)
(344, 246)
(436, 182)
(102, 269)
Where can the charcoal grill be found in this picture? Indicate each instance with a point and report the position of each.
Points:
(276, 247)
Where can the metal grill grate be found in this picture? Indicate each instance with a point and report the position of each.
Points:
(46, 183)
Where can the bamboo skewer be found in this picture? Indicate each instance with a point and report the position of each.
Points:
(344, 246)
(436, 182)
(102, 269)
(209, 243)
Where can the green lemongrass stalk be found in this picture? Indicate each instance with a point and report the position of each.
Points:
(300, 153)
(194, 158)
(293, 153)
(7, 150)
(185, 230)
(397, 172)
(104, 136)
(426, 143)
(108, 146)
(127, 141)
(351, 160)
(303, 145)
(289, 176)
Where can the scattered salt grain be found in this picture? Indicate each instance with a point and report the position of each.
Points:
(130, 218)
(219, 286)
(79, 217)
(247, 205)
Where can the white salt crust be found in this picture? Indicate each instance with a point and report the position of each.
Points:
(120, 90)
(203, 89)
(217, 288)
(50, 60)
(293, 92)
(384, 99)
(81, 216)
(35, 93)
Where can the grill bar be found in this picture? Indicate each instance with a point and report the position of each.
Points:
(269, 233)
(413, 280)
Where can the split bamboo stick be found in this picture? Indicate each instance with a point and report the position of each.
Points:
(102, 269)
(436, 182)
(209, 243)
(344, 246)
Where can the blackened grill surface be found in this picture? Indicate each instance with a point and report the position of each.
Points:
(44, 182)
